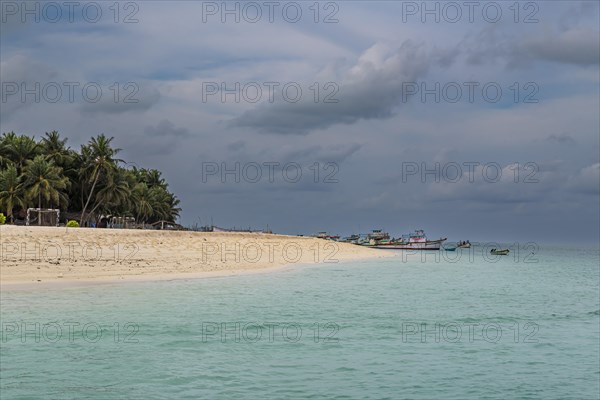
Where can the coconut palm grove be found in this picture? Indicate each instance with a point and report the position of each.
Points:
(84, 185)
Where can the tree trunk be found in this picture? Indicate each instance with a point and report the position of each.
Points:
(89, 198)
(39, 208)
(9, 208)
(92, 211)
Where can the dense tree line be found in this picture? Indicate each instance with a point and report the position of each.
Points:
(92, 182)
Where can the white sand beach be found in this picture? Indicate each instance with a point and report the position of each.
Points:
(53, 255)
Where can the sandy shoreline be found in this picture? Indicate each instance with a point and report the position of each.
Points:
(42, 256)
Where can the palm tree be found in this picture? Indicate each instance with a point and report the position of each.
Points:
(174, 210)
(99, 161)
(159, 196)
(6, 141)
(11, 190)
(20, 149)
(164, 205)
(116, 192)
(55, 149)
(153, 178)
(142, 201)
(44, 180)
(49, 173)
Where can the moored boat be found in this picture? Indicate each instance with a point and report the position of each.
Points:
(497, 252)
(377, 237)
(414, 241)
(326, 236)
(354, 239)
(464, 244)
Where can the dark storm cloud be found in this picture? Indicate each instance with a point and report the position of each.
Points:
(575, 46)
(27, 81)
(314, 160)
(548, 183)
(170, 129)
(135, 98)
(237, 145)
(371, 90)
(23, 68)
(578, 11)
(22, 73)
(265, 189)
(485, 46)
(335, 154)
(166, 128)
(141, 146)
(160, 140)
(533, 184)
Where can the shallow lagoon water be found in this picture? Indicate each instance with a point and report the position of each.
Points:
(478, 327)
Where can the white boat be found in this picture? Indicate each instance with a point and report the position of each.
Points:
(414, 241)
(376, 238)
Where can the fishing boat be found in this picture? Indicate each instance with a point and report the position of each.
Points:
(464, 245)
(354, 239)
(503, 252)
(377, 237)
(413, 241)
(326, 236)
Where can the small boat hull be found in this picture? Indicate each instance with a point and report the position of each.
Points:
(428, 245)
(500, 252)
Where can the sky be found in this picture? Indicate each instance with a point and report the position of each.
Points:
(471, 120)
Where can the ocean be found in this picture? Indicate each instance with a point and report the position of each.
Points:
(427, 326)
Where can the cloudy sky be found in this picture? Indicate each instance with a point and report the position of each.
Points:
(474, 121)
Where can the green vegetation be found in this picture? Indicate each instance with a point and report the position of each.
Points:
(2, 218)
(73, 224)
(91, 182)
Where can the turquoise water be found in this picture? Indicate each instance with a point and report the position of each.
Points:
(393, 328)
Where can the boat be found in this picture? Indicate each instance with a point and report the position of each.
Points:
(450, 248)
(503, 252)
(413, 241)
(377, 237)
(326, 236)
(354, 239)
(216, 229)
(464, 245)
